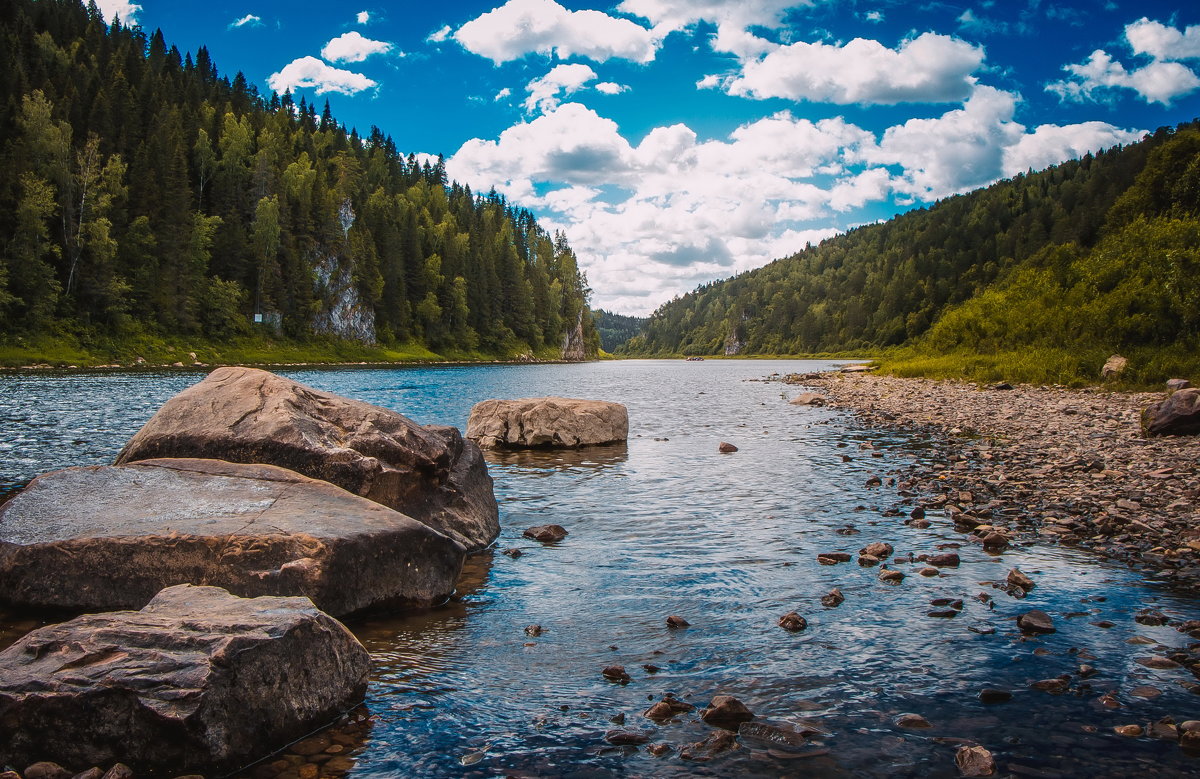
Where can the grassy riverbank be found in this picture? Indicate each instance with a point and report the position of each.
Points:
(69, 350)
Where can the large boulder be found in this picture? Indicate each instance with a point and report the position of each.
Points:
(110, 537)
(547, 422)
(1177, 414)
(197, 680)
(250, 416)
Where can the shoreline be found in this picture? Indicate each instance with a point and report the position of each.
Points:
(1069, 466)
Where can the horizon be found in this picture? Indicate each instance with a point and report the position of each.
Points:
(680, 143)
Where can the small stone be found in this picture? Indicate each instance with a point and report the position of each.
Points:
(929, 572)
(47, 770)
(993, 695)
(1146, 692)
(1177, 384)
(1165, 729)
(675, 621)
(547, 534)
(650, 668)
(877, 549)
(910, 720)
(727, 712)
(974, 761)
(1056, 686)
(888, 576)
(1130, 731)
(658, 750)
(533, 630)
(616, 673)
(994, 540)
(1018, 579)
(726, 448)
(942, 613)
(717, 743)
(1157, 663)
(918, 513)
(92, 773)
(793, 622)
(514, 553)
(944, 560)
(833, 558)
(833, 598)
(1036, 622)
(623, 737)
(1108, 701)
(868, 561)
(119, 771)
(308, 771)
(668, 707)
(1151, 617)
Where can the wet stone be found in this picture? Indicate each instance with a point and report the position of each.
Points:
(716, 744)
(675, 621)
(1036, 622)
(626, 737)
(910, 720)
(994, 695)
(944, 560)
(547, 534)
(668, 707)
(833, 598)
(833, 558)
(793, 622)
(616, 673)
(727, 712)
(974, 761)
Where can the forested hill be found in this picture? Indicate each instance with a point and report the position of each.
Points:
(1100, 252)
(144, 192)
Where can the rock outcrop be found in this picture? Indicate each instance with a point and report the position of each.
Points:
(547, 422)
(198, 680)
(1177, 414)
(250, 416)
(110, 537)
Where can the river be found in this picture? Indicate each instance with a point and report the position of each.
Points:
(668, 526)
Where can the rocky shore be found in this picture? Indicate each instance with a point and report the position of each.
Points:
(1067, 466)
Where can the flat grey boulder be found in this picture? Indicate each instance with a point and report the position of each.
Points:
(250, 416)
(1178, 414)
(110, 537)
(529, 423)
(197, 680)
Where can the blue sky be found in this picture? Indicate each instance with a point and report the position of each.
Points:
(680, 141)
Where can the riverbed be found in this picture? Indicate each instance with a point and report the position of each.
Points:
(667, 525)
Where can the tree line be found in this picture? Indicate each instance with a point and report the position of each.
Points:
(1101, 251)
(146, 192)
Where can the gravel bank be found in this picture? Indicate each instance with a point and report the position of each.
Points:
(1071, 466)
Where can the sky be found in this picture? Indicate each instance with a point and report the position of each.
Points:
(680, 141)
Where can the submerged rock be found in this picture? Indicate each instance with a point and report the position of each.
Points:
(726, 448)
(668, 707)
(793, 622)
(559, 423)
(974, 761)
(197, 680)
(547, 534)
(727, 712)
(110, 537)
(833, 598)
(1036, 622)
(245, 415)
(808, 399)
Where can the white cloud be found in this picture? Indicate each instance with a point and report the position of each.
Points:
(929, 68)
(310, 72)
(671, 15)
(362, 17)
(1051, 144)
(654, 218)
(123, 8)
(1162, 42)
(502, 94)
(1158, 82)
(561, 80)
(440, 36)
(521, 27)
(874, 16)
(353, 47)
(249, 19)
(711, 81)
(611, 88)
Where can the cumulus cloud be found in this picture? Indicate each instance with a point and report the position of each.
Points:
(1095, 79)
(247, 20)
(1161, 81)
(362, 17)
(671, 15)
(929, 68)
(310, 72)
(544, 92)
(126, 10)
(353, 47)
(1162, 42)
(521, 27)
(653, 218)
(1051, 144)
(440, 36)
(502, 94)
(611, 88)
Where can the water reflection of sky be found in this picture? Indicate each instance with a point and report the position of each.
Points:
(666, 526)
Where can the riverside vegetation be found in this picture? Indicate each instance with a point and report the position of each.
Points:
(1037, 279)
(152, 207)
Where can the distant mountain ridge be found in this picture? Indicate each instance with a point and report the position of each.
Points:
(1100, 251)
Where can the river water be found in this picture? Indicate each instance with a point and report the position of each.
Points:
(668, 526)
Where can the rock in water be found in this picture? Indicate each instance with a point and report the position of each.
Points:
(1035, 622)
(250, 416)
(197, 680)
(975, 761)
(833, 598)
(727, 712)
(110, 537)
(547, 534)
(547, 423)
(1018, 579)
(793, 622)
(726, 448)
(808, 399)
(1178, 414)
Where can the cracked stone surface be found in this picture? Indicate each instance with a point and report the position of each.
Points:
(111, 537)
(529, 423)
